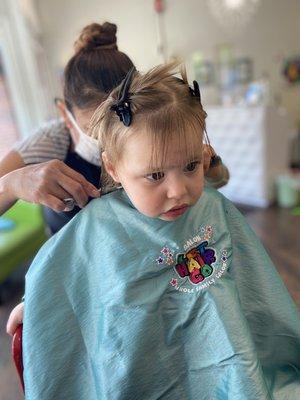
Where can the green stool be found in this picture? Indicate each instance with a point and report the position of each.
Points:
(22, 233)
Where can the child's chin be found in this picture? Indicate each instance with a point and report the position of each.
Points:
(163, 217)
(169, 219)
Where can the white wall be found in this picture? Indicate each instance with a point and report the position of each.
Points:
(272, 34)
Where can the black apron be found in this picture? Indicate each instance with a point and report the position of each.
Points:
(56, 220)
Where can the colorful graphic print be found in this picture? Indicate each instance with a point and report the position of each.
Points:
(196, 264)
(166, 257)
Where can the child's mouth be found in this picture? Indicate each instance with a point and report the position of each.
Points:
(176, 211)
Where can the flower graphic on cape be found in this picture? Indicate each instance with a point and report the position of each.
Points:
(196, 264)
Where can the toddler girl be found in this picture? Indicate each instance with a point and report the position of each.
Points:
(159, 290)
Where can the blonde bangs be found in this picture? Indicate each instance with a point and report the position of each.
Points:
(171, 128)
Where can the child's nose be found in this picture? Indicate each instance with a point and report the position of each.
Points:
(176, 189)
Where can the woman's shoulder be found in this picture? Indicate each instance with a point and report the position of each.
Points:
(50, 141)
(54, 128)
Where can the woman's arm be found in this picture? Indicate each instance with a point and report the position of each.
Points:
(11, 162)
(46, 183)
(34, 171)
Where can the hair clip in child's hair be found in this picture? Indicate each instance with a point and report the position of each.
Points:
(215, 161)
(195, 91)
(123, 111)
(122, 105)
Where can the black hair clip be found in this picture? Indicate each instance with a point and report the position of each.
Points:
(122, 105)
(195, 91)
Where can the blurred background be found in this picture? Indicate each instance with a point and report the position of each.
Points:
(245, 54)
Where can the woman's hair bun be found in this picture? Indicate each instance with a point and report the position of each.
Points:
(96, 35)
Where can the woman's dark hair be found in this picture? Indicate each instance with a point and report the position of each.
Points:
(96, 68)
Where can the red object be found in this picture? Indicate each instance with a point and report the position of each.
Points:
(159, 6)
(17, 352)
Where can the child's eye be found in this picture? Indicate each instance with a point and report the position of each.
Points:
(155, 176)
(192, 166)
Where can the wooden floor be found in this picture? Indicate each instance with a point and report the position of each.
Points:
(278, 229)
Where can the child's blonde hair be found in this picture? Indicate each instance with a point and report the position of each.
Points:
(163, 106)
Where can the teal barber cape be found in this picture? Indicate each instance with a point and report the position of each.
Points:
(120, 306)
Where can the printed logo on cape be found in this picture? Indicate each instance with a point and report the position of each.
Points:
(198, 266)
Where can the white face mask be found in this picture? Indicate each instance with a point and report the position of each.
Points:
(86, 146)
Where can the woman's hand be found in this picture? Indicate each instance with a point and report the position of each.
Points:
(48, 184)
(15, 319)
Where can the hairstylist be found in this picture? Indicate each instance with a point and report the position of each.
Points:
(60, 161)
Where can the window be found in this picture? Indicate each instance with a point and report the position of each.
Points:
(8, 129)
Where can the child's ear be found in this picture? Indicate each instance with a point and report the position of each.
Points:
(110, 168)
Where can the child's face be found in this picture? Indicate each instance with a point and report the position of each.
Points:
(164, 193)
